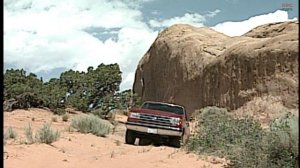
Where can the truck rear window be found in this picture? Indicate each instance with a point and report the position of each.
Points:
(164, 107)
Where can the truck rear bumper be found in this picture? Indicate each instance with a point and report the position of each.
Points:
(153, 130)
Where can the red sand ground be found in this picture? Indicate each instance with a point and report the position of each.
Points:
(76, 150)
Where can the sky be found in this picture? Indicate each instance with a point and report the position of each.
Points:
(52, 36)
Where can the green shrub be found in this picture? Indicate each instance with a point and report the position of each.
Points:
(29, 134)
(91, 124)
(100, 113)
(284, 141)
(10, 133)
(47, 135)
(223, 135)
(244, 142)
(59, 111)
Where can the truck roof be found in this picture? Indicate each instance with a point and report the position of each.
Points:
(170, 104)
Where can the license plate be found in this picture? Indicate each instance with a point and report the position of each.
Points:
(152, 131)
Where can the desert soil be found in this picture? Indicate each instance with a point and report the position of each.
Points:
(77, 150)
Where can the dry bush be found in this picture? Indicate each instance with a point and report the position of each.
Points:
(47, 135)
(263, 109)
(54, 119)
(244, 142)
(284, 141)
(65, 117)
(10, 133)
(29, 134)
(91, 124)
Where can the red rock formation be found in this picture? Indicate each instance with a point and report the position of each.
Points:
(198, 67)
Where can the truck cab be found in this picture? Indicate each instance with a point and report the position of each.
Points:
(157, 122)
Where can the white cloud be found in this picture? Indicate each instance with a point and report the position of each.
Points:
(213, 13)
(239, 28)
(194, 19)
(70, 14)
(128, 81)
(44, 35)
(190, 18)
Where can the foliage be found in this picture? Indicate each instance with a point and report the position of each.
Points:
(284, 141)
(127, 99)
(105, 105)
(10, 104)
(91, 124)
(86, 90)
(10, 133)
(80, 90)
(243, 141)
(100, 113)
(136, 101)
(121, 100)
(59, 111)
(22, 88)
(47, 135)
(53, 96)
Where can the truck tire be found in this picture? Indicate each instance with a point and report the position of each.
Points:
(144, 141)
(129, 137)
(175, 142)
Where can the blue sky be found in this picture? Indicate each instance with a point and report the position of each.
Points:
(231, 10)
(51, 36)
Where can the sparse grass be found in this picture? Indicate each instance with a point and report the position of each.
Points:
(47, 135)
(54, 119)
(10, 133)
(205, 166)
(114, 127)
(69, 128)
(145, 149)
(244, 142)
(29, 134)
(170, 156)
(65, 117)
(117, 142)
(112, 154)
(91, 124)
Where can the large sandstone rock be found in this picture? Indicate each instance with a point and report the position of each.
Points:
(198, 67)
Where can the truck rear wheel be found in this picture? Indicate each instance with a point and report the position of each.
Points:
(129, 137)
